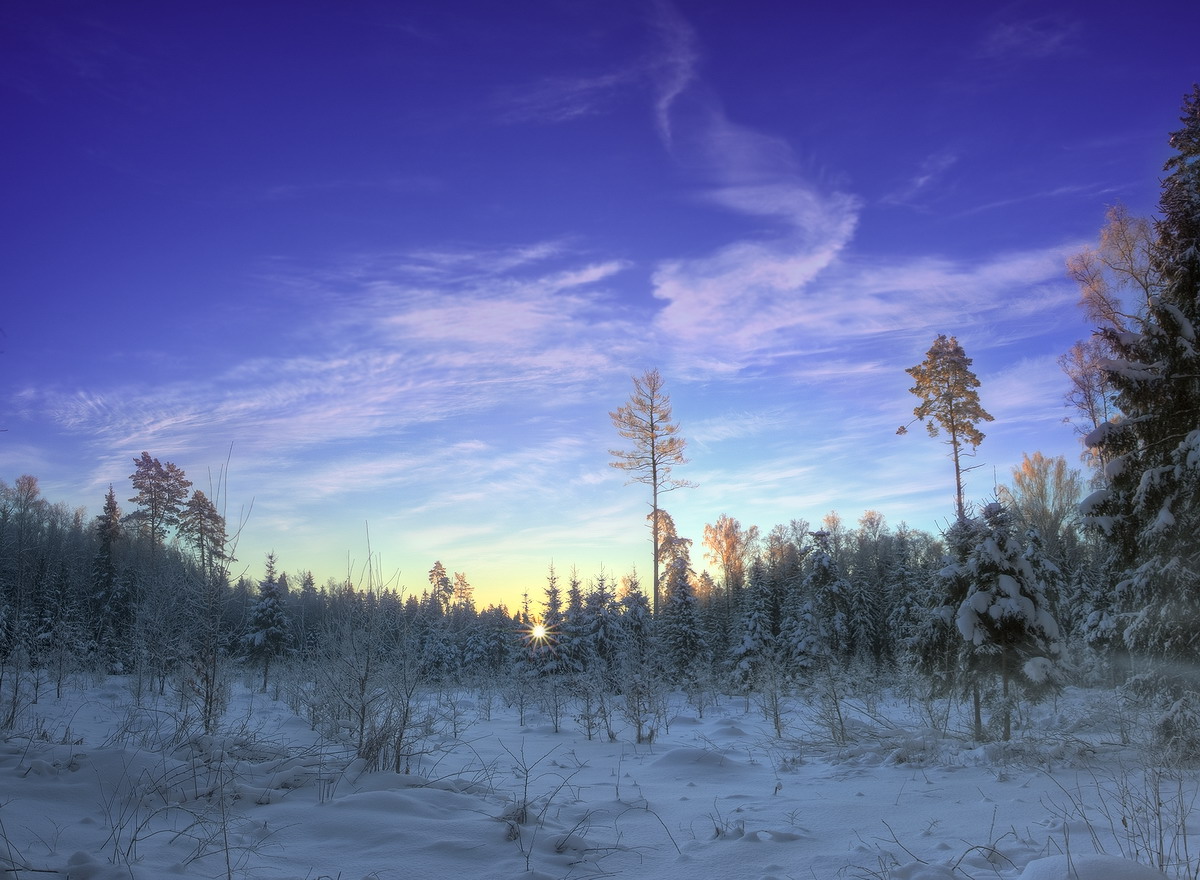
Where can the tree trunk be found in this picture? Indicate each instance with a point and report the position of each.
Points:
(977, 701)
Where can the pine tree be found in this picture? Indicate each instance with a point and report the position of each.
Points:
(598, 635)
(110, 611)
(935, 647)
(909, 576)
(683, 642)
(552, 610)
(270, 628)
(570, 646)
(636, 634)
(1151, 511)
(949, 402)
(442, 588)
(802, 642)
(161, 490)
(202, 527)
(1005, 617)
(490, 649)
(544, 648)
(757, 645)
(830, 593)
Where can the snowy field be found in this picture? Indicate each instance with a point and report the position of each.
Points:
(94, 787)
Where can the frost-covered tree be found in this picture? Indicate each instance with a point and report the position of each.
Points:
(111, 601)
(914, 561)
(552, 607)
(432, 640)
(756, 646)
(491, 647)
(934, 645)
(871, 550)
(269, 631)
(802, 641)
(830, 594)
(1150, 513)
(643, 687)
(681, 632)
(1005, 617)
(543, 645)
(570, 646)
(950, 403)
(597, 635)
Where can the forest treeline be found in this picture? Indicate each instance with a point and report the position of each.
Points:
(1022, 593)
(147, 593)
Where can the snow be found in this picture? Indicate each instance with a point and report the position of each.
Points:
(1094, 500)
(1093, 867)
(94, 786)
(1039, 670)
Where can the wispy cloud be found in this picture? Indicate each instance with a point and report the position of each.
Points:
(674, 67)
(1032, 38)
(932, 169)
(663, 72)
(435, 347)
(1092, 191)
(730, 307)
(564, 98)
(733, 426)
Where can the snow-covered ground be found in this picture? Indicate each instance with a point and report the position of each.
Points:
(93, 788)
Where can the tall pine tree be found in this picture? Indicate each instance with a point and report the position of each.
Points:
(1151, 510)
(950, 403)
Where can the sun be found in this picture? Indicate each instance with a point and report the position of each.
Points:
(537, 635)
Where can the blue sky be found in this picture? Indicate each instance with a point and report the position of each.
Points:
(404, 258)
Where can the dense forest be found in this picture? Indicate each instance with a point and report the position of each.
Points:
(1022, 594)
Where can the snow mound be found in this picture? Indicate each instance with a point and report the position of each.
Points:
(1093, 867)
(692, 759)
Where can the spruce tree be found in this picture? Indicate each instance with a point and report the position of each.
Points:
(269, 632)
(830, 594)
(1150, 512)
(934, 645)
(756, 646)
(683, 640)
(1005, 616)
(110, 607)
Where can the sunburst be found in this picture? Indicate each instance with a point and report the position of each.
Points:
(536, 634)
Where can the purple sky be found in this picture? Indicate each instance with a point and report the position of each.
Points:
(405, 257)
